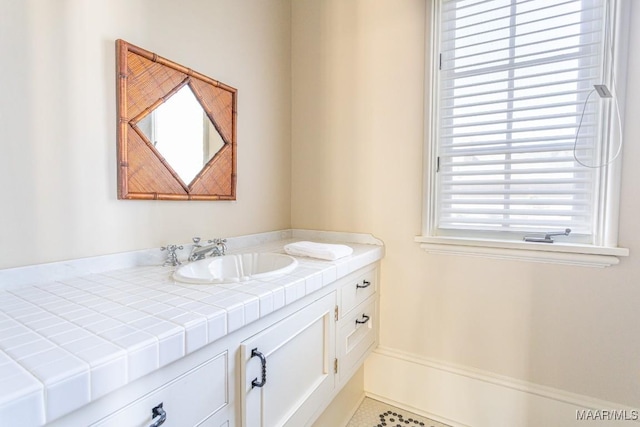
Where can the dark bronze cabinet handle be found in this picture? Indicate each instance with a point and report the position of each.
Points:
(158, 412)
(263, 361)
(364, 320)
(365, 284)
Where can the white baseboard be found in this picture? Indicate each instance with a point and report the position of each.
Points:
(464, 397)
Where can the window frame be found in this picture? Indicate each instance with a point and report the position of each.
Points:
(604, 251)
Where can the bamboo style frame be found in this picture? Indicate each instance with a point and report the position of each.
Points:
(144, 81)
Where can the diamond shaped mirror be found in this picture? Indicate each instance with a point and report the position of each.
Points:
(176, 130)
(183, 133)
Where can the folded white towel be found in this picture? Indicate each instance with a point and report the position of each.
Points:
(326, 251)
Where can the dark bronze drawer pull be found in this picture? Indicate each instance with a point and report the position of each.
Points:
(365, 284)
(263, 361)
(364, 320)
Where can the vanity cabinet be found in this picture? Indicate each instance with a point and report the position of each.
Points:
(281, 370)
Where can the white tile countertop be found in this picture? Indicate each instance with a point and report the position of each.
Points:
(86, 331)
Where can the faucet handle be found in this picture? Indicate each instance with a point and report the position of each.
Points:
(171, 248)
(172, 256)
(221, 246)
(217, 240)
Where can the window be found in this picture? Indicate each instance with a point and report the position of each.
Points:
(521, 144)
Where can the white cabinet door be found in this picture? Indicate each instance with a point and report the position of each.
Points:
(297, 354)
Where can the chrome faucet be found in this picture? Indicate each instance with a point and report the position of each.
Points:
(215, 247)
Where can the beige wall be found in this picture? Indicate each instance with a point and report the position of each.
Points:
(357, 165)
(57, 122)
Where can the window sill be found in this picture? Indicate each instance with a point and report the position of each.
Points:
(551, 253)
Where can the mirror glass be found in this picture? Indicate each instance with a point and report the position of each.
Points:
(182, 132)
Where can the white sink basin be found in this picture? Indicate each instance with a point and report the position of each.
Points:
(235, 268)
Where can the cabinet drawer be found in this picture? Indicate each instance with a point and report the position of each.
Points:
(357, 289)
(188, 400)
(356, 337)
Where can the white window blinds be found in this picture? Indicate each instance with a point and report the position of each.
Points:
(515, 81)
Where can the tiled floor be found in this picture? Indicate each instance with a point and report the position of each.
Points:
(373, 413)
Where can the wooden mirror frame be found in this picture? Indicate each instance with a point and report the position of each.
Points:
(144, 81)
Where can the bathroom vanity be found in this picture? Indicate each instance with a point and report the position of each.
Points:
(144, 350)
